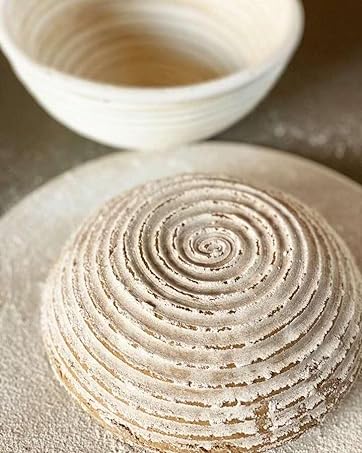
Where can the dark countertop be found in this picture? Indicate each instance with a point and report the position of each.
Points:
(314, 111)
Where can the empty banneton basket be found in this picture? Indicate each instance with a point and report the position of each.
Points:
(149, 73)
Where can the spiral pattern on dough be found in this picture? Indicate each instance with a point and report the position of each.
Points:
(197, 312)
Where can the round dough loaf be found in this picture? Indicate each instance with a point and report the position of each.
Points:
(199, 313)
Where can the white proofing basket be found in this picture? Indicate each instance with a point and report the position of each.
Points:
(149, 74)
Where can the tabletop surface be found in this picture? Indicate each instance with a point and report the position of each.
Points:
(314, 111)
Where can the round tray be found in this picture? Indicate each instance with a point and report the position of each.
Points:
(36, 413)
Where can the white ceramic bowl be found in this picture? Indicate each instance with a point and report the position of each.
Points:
(149, 74)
